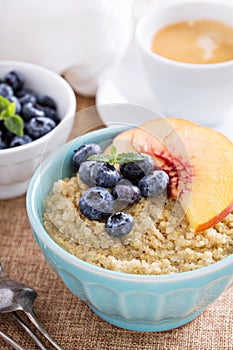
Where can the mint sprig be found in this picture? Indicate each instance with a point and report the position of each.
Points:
(114, 158)
(13, 122)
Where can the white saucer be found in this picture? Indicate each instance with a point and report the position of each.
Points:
(126, 84)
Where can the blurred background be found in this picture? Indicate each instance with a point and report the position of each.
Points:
(81, 39)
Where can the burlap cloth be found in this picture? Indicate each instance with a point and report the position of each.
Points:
(68, 319)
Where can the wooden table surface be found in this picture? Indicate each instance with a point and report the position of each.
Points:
(67, 318)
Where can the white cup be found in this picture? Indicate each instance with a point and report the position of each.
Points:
(199, 92)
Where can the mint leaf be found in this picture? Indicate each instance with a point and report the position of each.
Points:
(11, 108)
(113, 150)
(123, 158)
(15, 124)
(104, 158)
(12, 121)
(113, 158)
(4, 114)
(4, 103)
(8, 111)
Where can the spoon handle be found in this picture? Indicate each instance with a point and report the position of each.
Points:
(33, 318)
(28, 330)
(11, 341)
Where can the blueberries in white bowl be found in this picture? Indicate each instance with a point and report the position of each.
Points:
(15, 79)
(25, 115)
(6, 91)
(30, 110)
(3, 144)
(39, 126)
(20, 141)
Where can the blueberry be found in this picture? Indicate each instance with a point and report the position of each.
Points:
(22, 92)
(15, 79)
(134, 171)
(30, 111)
(96, 203)
(50, 113)
(119, 224)
(6, 91)
(3, 143)
(19, 141)
(83, 152)
(17, 103)
(27, 98)
(154, 184)
(85, 172)
(39, 126)
(105, 175)
(125, 195)
(6, 134)
(46, 101)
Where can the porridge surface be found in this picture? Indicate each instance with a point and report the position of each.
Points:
(161, 241)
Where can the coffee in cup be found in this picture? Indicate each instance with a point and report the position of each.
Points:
(198, 86)
(202, 41)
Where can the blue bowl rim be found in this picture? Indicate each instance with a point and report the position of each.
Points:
(57, 250)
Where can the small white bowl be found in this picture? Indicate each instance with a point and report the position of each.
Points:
(18, 164)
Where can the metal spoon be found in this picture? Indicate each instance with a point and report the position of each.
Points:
(15, 296)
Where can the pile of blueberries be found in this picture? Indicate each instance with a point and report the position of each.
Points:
(110, 190)
(38, 111)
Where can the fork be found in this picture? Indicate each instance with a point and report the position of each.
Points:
(15, 296)
(11, 341)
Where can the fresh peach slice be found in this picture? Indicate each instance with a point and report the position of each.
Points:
(207, 193)
(149, 138)
(190, 154)
(123, 141)
(151, 134)
(108, 149)
(198, 160)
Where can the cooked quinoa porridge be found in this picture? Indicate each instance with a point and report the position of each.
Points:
(161, 241)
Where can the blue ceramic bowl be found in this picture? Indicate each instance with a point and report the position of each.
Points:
(135, 302)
